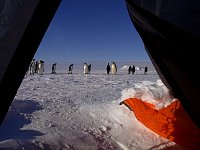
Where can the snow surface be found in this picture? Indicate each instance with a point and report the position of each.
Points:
(77, 111)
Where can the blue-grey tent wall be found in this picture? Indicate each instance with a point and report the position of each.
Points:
(23, 24)
(172, 45)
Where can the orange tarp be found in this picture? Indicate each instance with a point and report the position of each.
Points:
(171, 122)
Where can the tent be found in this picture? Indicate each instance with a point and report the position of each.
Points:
(171, 34)
(170, 31)
(22, 27)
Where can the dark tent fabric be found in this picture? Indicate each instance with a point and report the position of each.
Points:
(22, 27)
(170, 31)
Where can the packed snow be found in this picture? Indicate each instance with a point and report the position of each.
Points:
(81, 111)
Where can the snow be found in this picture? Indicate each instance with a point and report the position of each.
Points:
(77, 111)
(125, 67)
(153, 92)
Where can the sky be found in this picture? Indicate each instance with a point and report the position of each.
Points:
(91, 30)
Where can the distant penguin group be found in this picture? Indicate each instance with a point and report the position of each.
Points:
(38, 68)
(131, 69)
(113, 68)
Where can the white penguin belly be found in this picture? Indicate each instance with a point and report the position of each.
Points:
(85, 69)
(40, 69)
(113, 69)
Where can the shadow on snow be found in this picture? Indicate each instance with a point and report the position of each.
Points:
(18, 116)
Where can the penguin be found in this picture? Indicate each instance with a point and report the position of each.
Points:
(32, 67)
(85, 69)
(70, 68)
(113, 68)
(133, 69)
(54, 68)
(89, 68)
(145, 70)
(36, 67)
(108, 68)
(129, 69)
(41, 67)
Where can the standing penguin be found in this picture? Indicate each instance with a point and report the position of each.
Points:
(108, 68)
(89, 68)
(41, 67)
(145, 70)
(85, 69)
(54, 68)
(32, 67)
(129, 69)
(113, 68)
(70, 68)
(133, 69)
(36, 67)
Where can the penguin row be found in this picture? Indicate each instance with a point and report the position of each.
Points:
(87, 68)
(38, 68)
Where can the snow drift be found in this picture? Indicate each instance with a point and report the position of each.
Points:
(76, 111)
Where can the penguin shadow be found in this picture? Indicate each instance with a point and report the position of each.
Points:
(142, 74)
(17, 117)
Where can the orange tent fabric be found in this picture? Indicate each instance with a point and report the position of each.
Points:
(171, 122)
